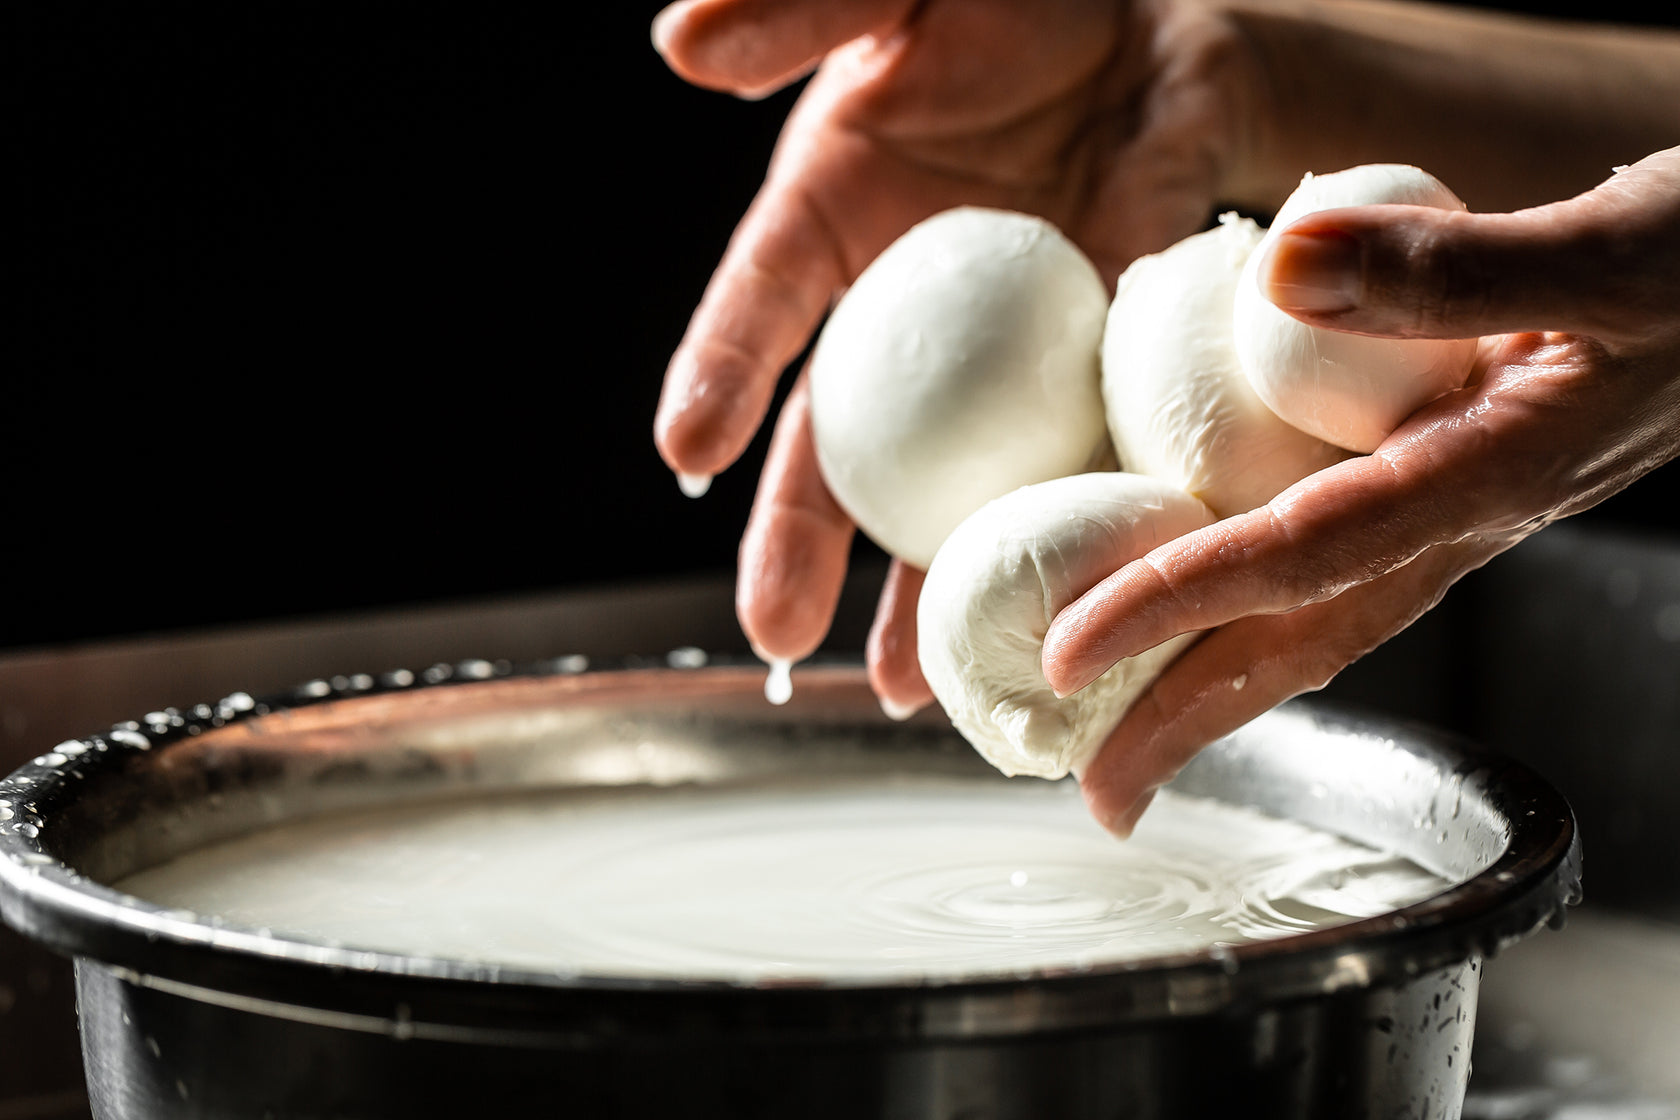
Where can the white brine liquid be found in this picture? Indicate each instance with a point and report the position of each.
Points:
(840, 879)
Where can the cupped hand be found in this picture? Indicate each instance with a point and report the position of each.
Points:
(1576, 393)
(1115, 119)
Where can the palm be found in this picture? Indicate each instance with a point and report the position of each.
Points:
(972, 106)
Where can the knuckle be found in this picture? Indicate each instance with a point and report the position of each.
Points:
(1636, 287)
(729, 363)
(1444, 279)
(1304, 571)
(766, 284)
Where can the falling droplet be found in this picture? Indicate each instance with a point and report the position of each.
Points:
(778, 684)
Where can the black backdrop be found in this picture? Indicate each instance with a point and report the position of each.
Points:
(320, 313)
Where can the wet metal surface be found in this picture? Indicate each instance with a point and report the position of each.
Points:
(1560, 653)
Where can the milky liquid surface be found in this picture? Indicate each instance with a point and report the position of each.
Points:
(842, 880)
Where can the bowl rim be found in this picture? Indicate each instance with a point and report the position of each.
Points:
(1529, 885)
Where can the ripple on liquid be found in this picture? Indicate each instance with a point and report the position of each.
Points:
(832, 879)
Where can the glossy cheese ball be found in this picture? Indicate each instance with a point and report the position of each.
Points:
(1001, 579)
(962, 364)
(1347, 389)
(1179, 407)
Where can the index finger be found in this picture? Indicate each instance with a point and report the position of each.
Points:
(1345, 525)
(796, 546)
(769, 292)
(1247, 667)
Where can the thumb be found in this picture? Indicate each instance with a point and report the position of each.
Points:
(754, 47)
(1605, 264)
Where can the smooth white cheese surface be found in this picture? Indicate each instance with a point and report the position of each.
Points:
(1178, 404)
(833, 878)
(962, 364)
(1347, 389)
(1001, 579)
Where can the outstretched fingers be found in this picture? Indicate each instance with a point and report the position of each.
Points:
(766, 298)
(1344, 525)
(895, 673)
(1247, 667)
(793, 554)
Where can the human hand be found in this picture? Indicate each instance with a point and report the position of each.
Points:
(1576, 392)
(1117, 121)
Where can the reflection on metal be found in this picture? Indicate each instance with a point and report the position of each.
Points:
(1286, 1011)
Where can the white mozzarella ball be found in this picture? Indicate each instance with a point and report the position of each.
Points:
(997, 584)
(961, 365)
(1350, 390)
(1179, 407)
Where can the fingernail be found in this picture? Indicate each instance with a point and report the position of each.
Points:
(694, 485)
(1317, 273)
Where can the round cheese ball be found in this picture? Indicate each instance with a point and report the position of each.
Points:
(1350, 390)
(1179, 406)
(961, 365)
(996, 585)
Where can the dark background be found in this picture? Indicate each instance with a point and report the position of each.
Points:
(325, 313)
(321, 312)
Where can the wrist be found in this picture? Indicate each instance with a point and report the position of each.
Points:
(1510, 111)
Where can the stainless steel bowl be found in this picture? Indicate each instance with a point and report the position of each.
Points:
(183, 1017)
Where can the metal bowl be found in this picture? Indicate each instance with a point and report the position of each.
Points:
(182, 1016)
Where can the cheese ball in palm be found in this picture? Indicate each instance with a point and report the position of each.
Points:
(1179, 406)
(1347, 389)
(998, 582)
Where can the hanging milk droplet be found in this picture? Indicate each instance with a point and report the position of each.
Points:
(694, 485)
(778, 685)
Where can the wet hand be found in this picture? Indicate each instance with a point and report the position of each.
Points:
(1576, 393)
(1116, 121)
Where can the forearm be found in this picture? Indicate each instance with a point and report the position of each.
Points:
(1508, 111)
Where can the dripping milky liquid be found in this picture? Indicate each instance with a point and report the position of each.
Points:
(840, 879)
(778, 683)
